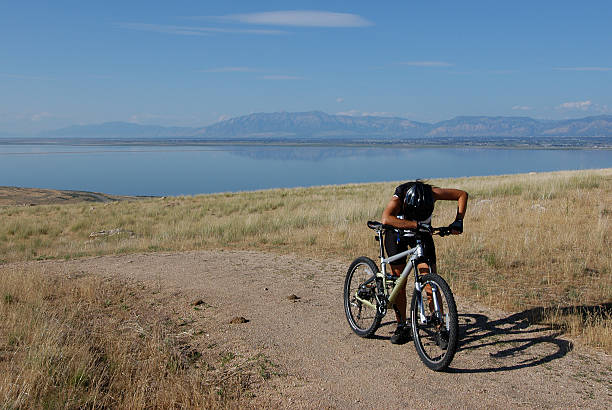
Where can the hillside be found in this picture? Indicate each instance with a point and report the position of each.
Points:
(36, 196)
(317, 125)
(119, 130)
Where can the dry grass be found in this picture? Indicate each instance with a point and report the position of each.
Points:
(82, 342)
(537, 240)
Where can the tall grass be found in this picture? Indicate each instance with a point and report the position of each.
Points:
(82, 342)
(531, 240)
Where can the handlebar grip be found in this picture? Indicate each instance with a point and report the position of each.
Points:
(442, 231)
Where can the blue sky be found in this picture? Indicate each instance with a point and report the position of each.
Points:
(195, 62)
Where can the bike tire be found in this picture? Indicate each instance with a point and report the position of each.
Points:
(362, 319)
(427, 336)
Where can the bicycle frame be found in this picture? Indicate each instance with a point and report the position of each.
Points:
(415, 253)
(371, 288)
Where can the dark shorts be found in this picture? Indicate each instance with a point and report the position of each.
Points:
(394, 244)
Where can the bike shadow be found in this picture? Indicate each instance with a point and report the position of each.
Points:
(519, 340)
(387, 327)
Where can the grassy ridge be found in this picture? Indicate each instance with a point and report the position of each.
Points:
(530, 241)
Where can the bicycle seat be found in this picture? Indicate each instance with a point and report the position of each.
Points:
(374, 225)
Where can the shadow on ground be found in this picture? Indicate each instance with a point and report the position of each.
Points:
(519, 340)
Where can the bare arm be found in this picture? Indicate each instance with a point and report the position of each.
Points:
(389, 215)
(394, 207)
(447, 194)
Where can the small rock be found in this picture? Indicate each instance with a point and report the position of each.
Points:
(265, 288)
(198, 302)
(293, 297)
(238, 319)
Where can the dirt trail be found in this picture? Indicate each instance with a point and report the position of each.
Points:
(502, 362)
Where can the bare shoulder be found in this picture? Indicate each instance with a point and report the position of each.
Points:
(395, 203)
(447, 193)
(393, 207)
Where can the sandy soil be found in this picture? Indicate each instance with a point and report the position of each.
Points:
(502, 362)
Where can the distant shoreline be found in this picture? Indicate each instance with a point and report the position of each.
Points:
(26, 196)
(32, 196)
(549, 143)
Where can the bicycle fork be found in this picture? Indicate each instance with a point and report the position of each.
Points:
(418, 287)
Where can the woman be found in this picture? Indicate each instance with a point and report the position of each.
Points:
(410, 209)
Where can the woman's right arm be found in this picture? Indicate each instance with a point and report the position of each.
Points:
(389, 215)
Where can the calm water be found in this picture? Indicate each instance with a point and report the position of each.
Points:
(192, 170)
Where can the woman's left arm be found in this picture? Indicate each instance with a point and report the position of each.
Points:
(449, 194)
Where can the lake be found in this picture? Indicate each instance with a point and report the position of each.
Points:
(188, 170)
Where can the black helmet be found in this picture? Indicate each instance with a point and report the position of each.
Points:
(419, 202)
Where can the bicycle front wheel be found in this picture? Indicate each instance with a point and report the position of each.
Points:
(360, 303)
(435, 327)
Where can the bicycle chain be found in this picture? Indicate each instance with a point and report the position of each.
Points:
(381, 298)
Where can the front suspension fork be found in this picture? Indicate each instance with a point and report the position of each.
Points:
(421, 304)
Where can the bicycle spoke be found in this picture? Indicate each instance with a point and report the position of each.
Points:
(435, 340)
(360, 286)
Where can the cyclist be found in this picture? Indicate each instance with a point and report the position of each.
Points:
(410, 208)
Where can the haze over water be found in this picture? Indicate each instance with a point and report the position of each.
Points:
(183, 170)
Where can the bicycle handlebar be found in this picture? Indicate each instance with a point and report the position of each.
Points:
(441, 231)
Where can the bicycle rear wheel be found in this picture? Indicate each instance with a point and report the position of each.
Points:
(436, 334)
(360, 283)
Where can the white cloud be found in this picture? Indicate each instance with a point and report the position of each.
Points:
(300, 18)
(339, 100)
(583, 68)
(230, 70)
(281, 77)
(427, 63)
(576, 105)
(193, 31)
(587, 105)
(521, 107)
(40, 116)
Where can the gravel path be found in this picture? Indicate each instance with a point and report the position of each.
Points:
(502, 362)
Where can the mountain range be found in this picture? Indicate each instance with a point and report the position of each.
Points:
(316, 125)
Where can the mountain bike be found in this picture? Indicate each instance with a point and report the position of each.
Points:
(370, 292)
